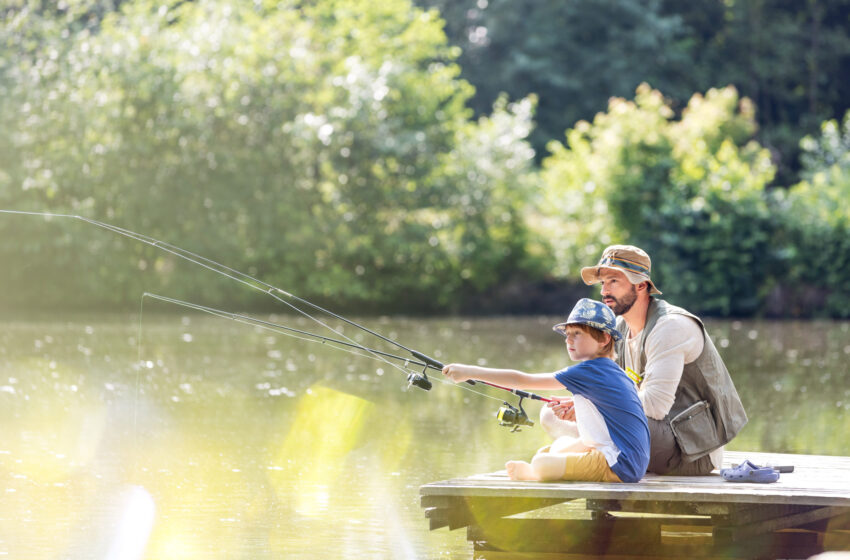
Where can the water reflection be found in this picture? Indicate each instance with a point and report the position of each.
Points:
(793, 378)
(229, 441)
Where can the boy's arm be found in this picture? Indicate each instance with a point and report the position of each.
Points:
(511, 378)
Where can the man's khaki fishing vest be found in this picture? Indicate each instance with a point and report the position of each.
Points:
(707, 412)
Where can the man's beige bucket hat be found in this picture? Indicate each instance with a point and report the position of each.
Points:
(628, 259)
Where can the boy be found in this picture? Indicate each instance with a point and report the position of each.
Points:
(613, 436)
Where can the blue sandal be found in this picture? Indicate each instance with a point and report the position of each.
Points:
(748, 472)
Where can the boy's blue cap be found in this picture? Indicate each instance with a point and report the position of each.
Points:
(593, 314)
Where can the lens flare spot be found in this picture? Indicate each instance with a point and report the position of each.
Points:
(328, 424)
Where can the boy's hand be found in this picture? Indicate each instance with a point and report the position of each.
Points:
(563, 407)
(457, 372)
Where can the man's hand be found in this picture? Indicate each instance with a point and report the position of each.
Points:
(563, 408)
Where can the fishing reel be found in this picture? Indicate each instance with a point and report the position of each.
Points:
(510, 415)
(419, 380)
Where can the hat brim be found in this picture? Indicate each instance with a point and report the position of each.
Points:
(614, 333)
(590, 276)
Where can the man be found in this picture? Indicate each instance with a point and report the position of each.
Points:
(690, 401)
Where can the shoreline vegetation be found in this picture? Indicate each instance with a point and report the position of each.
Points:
(339, 150)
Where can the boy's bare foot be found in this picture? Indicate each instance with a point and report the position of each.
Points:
(520, 470)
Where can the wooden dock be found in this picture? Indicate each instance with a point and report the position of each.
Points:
(806, 512)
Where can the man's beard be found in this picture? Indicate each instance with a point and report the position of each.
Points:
(621, 306)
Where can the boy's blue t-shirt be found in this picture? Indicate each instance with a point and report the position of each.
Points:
(603, 383)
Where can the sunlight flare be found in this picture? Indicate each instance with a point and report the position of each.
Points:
(328, 424)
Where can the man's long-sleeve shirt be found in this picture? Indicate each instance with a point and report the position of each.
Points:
(675, 340)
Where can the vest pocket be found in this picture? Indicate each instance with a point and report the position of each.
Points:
(695, 430)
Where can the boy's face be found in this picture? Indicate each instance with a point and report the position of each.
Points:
(580, 345)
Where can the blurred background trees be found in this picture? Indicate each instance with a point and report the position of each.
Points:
(456, 156)
(792, 59)
(326, 147)
(690, 191)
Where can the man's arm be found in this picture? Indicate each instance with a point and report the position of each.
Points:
(675, 341)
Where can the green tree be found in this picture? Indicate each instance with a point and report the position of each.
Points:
(831, 148)
(818, 226)
(792, 59)
(572, 55)
(325, 147)
(691, 191)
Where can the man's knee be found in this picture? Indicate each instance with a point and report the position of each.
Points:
(700, 467)
(664, 453)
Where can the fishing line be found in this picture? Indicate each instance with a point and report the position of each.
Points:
(297, 334)
(282, 329)
(233, 274)
(419, 379)
(138, 390)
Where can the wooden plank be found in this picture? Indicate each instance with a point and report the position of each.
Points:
(455, 512)
(757, 513)
(837, 533)
(437, 518)
(483, 554)
(839, 523)
(785, 551)
(804, 513)
(661, 507)
(783, 545)
(816, 481)
(435, 500)
(453, 519)
(690, 490)
(738, 533)
(567, 535)
(626, 538)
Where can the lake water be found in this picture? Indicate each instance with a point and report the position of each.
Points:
(187, 436)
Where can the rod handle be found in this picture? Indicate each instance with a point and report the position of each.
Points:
(432, 362)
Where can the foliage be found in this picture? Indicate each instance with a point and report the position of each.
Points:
(572, 55)
(818, 224)
(325, 147)
(689, 191)
(791, 58)
(831, 148)
(332, 148)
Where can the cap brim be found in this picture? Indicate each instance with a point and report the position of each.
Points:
(561, 328)
(590, 276)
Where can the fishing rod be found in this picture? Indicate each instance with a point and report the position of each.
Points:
(247, 280)
(507, 415)
(277, 327)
